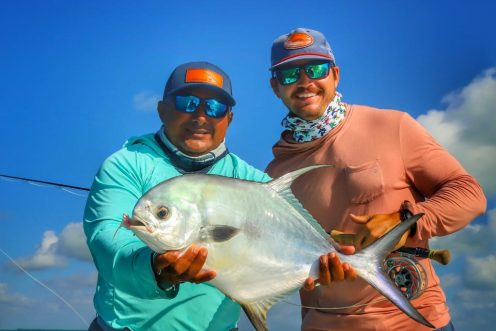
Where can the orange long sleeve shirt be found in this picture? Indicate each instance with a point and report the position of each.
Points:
(381, 158)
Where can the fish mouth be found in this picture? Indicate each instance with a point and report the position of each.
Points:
(134, 223)
(137, 223)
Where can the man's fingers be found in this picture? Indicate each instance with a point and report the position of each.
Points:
(164, 260)
(324, 274)
(349, 272)
(197, 264)
(347, 249)
(184, 262)
(204, 276)
(336, 235)
(187, 267)
(309, 284)
(336, 269)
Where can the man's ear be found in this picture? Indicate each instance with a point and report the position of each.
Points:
(335, 71)
(275, 87)
(230, 116)
(162, 107)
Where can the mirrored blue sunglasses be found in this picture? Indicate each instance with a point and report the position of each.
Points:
(190, 103)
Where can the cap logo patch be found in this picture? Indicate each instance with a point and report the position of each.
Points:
(204, 76)
(298, 40)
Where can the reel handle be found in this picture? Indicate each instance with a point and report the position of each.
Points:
(442, 256)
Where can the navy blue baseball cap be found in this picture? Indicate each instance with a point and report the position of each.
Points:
(299, 44)
(200, 74)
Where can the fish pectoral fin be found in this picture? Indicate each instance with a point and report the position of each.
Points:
(257, 314)
(218, 233)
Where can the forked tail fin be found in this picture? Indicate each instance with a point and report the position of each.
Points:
(374, 274)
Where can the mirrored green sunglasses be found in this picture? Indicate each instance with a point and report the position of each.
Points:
(291, 75)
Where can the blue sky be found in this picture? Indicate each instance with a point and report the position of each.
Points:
(79, 78)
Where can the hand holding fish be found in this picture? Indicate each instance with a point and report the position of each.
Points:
(332, 270)
(374, 227)
(175, 268)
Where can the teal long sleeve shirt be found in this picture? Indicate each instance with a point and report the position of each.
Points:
(127, 294)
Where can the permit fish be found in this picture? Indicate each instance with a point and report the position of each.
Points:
(261, 241)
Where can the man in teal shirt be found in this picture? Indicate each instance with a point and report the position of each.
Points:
(137, 289)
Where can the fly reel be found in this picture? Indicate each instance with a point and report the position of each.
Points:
(407, 274)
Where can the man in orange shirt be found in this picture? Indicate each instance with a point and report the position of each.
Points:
(382, 158)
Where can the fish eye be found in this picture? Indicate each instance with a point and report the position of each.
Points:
(162, 212)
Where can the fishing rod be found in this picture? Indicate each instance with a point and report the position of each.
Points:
(60, 185)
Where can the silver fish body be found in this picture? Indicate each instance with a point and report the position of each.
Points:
(261, 242)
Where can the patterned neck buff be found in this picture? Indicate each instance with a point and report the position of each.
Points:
(304, 130)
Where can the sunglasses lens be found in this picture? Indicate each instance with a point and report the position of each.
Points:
(288, 76)
(187, 104)
(316, 71)
(214, 108)
(313, 71)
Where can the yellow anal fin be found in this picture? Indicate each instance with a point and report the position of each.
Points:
(257, 314)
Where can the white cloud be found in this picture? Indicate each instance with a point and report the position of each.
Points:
(466, 127)
(72, 242)
(54, 251)
(45, 256)
(4, 296)
(476, 239)
(479, 272)
(146, 101)
(13, 299)
(473, 309)
(471, 286)
(438, 124)
(450, 280)
(471, 299)
(77, 282)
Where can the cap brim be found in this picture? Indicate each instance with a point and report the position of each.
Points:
(302, 57)
(226, 97)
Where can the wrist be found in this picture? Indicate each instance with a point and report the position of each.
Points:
(156, 272)
(170, 288)
(405, 212)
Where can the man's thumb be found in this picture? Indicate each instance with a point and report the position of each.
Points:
(360, 219)
(342, 238)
